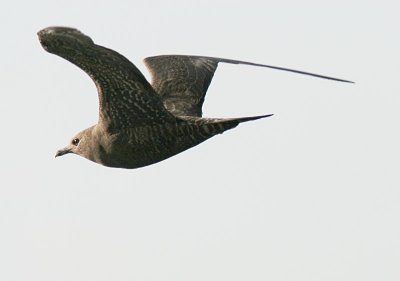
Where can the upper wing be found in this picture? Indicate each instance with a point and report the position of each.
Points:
(126, 98)
(182, 81)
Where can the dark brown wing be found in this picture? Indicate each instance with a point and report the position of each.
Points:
(126, 98)
(182, 81)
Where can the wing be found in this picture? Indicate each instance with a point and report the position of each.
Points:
(126, 99)
(182, 81)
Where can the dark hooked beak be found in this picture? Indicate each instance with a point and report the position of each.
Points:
(63, 151)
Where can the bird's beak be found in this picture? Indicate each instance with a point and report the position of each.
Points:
(63, 151)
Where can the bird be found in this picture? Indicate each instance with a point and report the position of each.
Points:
(140, 123)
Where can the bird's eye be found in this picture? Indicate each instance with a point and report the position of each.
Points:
(75, 141)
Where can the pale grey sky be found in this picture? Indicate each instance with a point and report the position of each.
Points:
(312, 193)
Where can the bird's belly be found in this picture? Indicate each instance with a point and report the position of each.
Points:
(145, 146)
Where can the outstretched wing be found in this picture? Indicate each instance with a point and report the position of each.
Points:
(182, 81)
(126, 99)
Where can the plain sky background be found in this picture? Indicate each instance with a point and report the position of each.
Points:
(312, 193)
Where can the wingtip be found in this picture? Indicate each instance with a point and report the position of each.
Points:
(344, 81)
(48, 35)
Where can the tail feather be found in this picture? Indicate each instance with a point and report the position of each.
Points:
(246, 119)
(195, 130)
(202, 121)
(214, 126)
(230, 123)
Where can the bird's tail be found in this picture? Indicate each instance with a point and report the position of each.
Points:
(213, 126)
(246, 119)
(230, 123)
(237, 120)
(194, 130)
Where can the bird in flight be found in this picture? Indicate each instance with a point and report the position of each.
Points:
(141, 123)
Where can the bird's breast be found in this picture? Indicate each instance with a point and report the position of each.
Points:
(142, 146)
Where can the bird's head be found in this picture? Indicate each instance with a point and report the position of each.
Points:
(80, 144)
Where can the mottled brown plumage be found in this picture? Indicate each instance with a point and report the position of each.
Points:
(141, 124)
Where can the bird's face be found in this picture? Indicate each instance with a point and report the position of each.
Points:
(79, 145)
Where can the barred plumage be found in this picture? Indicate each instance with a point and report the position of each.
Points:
(141, 124)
